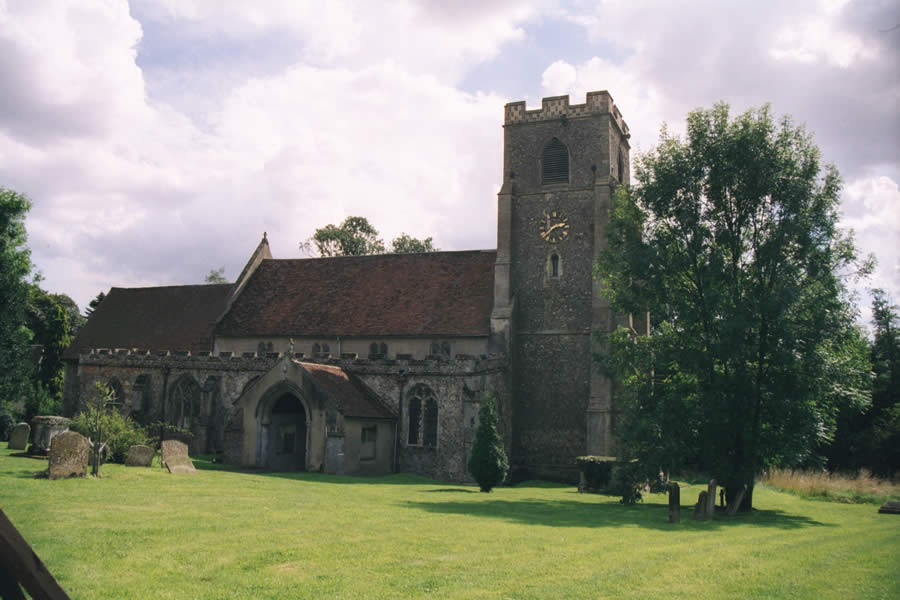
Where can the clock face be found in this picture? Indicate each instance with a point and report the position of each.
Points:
(554, 226)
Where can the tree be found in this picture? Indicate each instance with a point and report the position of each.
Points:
(73, 315)
(216, 276)
(354, 237)
(871, 439)
(406, 244)
(357, 237)
(15, 268)
(93, 304)
(95, 415)
(49, 326)
(730, 240)
(488, 463)
(884, 451)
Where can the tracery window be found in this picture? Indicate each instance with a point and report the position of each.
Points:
(555, 163)
(422, 411)
(184, 402)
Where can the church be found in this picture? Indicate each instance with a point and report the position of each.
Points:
(378, 364)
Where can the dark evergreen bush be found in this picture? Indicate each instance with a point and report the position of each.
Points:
(488, 463)
(596, 471)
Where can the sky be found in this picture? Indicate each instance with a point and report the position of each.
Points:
(159, 139)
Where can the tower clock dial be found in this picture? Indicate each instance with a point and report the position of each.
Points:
(554, 226)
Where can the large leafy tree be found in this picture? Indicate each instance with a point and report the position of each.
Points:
(406, 244)
(15, 269)
(357, 237)
(48, 322)
(871, 439)
(354, 237)
(730, 241)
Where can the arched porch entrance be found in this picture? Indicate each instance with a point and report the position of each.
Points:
(284, 440)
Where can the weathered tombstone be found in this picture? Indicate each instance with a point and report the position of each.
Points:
(890, 508)
(69, 455)
(175, 457)
(700, 507)
(19, 438)
(139, 456)
(43, 430)
(674, 503)
(711, 499)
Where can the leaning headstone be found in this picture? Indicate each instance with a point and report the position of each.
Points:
(674, 503)
(139, 456)
(700, 507)
(69, 455)
(175, 457)
(19, 438)
(711, 499)
(43, 430)
(890, 508)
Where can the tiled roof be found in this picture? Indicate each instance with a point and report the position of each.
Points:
(156, 318)
(433, 294)
(347, 392)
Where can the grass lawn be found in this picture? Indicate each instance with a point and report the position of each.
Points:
(142, 533)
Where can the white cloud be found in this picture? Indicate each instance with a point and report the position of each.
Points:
(138, 194)
(872, 210)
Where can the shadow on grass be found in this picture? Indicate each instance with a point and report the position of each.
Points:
(569, 513)
(458, 490)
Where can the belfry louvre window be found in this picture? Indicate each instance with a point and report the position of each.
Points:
(555, 163)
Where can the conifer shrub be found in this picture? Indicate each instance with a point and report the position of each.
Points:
(488, 463)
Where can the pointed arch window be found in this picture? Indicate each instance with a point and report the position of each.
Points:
(554, 265)
(422, 411)
(555, 163)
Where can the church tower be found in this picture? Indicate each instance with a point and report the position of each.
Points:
(562, 164)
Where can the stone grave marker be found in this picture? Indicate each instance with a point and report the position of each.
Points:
(19, 438)
(674, 503)
(43, 430)
(890, 508)
(711, 499)
(139, 456)
(69, 455)
(700, 507)
(175, 457)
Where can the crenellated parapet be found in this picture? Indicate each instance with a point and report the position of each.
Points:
(252, 361)
(558, 107)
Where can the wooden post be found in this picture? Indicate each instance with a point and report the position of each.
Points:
(20, 565)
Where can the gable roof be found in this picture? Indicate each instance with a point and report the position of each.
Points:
(178, 317)
(429, 294)
(347, 392)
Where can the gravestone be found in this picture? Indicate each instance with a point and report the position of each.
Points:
(674, 503)
(43, 430)
(890, 508)
(711, 499)
(69, 455)
(19, 438)
(700, 507)
(139, 456)
(175, 457)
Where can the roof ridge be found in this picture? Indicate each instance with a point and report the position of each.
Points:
(384, 255)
